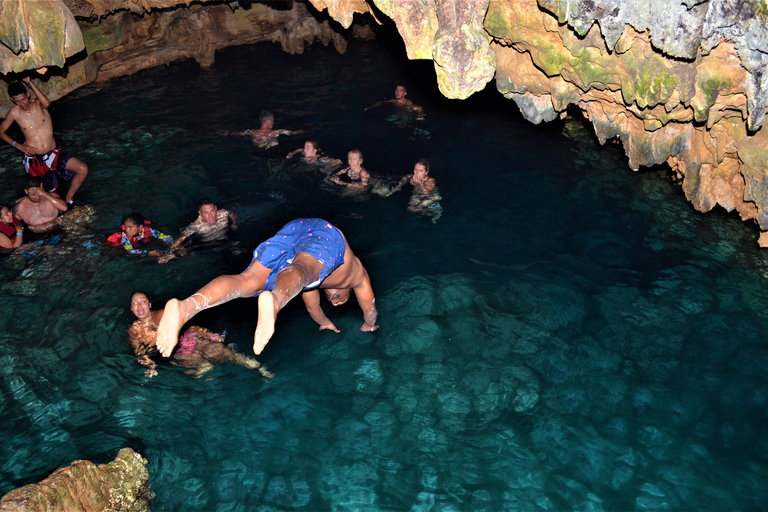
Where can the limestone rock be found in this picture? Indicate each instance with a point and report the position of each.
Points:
(120, 486)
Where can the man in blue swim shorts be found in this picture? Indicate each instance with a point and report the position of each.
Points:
(42, 159)
(304, 256)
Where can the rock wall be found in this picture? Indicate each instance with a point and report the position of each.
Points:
(676, 81)
(119, 486)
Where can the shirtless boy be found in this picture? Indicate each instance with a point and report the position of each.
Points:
(39, 209)
(211, 224)
(41, 155)
(305, 255)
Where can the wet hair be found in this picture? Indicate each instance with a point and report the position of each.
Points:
(356, 151)
(265, 116)
(424, 162)
(16, 88)
(134, 217)
(205, 201)
(134, 292)
(33, 183)
(314, 144)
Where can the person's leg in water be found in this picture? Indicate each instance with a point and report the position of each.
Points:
(304, 270)
(220, 290)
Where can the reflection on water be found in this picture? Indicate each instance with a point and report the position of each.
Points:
(569, 334)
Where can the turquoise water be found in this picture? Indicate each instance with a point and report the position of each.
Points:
(569, 335)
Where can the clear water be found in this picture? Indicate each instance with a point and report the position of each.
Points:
(569, 335)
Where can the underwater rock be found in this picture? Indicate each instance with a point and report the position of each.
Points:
(120, 486)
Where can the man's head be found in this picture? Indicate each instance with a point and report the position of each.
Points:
(400, 92)
(34, 189)
(336, 296)
(18, 94)
(207, 210)
(267, 120)
(141, 305)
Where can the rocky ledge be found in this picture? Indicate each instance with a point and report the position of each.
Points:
(676, 81)
(119, 486)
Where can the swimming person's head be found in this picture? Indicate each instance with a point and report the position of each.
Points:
(141, 306)
(34, 189)
(421, 169)
(355, 158)
(400, 92)
(207, 210)
(133, 223)
(310, 149)
(6, 215)
(266, 118)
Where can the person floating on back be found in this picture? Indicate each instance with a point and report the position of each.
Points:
(136, 232)
(304, 256)
(42, 158)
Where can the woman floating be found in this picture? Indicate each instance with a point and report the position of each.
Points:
(198, 348)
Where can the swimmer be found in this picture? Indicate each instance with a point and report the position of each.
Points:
(39, 209)
(211, 225)
(136, 230)
(310, 156)
(425, 196)
(304, 256)
(11, 230)
(403, 104)
(265, 136)
(354, 177)
(198, 349)
(42, 157)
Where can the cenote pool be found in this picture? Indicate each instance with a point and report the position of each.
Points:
(567, 335)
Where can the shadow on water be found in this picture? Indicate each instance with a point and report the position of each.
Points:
(569, 334)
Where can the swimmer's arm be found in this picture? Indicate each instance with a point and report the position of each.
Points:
(7, 122)
(167, 239)
(233, 220)
(367, 301)
(312, 302)
(6, 242)
(365, 178)
(188, 231)
(335, 177)
(294, 153)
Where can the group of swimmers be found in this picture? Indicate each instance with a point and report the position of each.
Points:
(305, 256)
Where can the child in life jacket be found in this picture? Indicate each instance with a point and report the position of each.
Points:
(136, 232)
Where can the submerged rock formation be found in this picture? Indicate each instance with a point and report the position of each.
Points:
(676, 81)
(119, 486)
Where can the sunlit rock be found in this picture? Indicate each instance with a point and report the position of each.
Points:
(121, 485)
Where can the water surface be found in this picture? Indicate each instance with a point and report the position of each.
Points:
(569, 335)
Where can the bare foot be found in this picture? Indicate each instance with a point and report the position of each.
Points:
(170, 325)
(265, 327)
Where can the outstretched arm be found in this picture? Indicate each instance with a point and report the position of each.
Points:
(312, 302)
(367, 301)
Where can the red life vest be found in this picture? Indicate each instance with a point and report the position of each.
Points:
(116, 238)
(10, 230)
